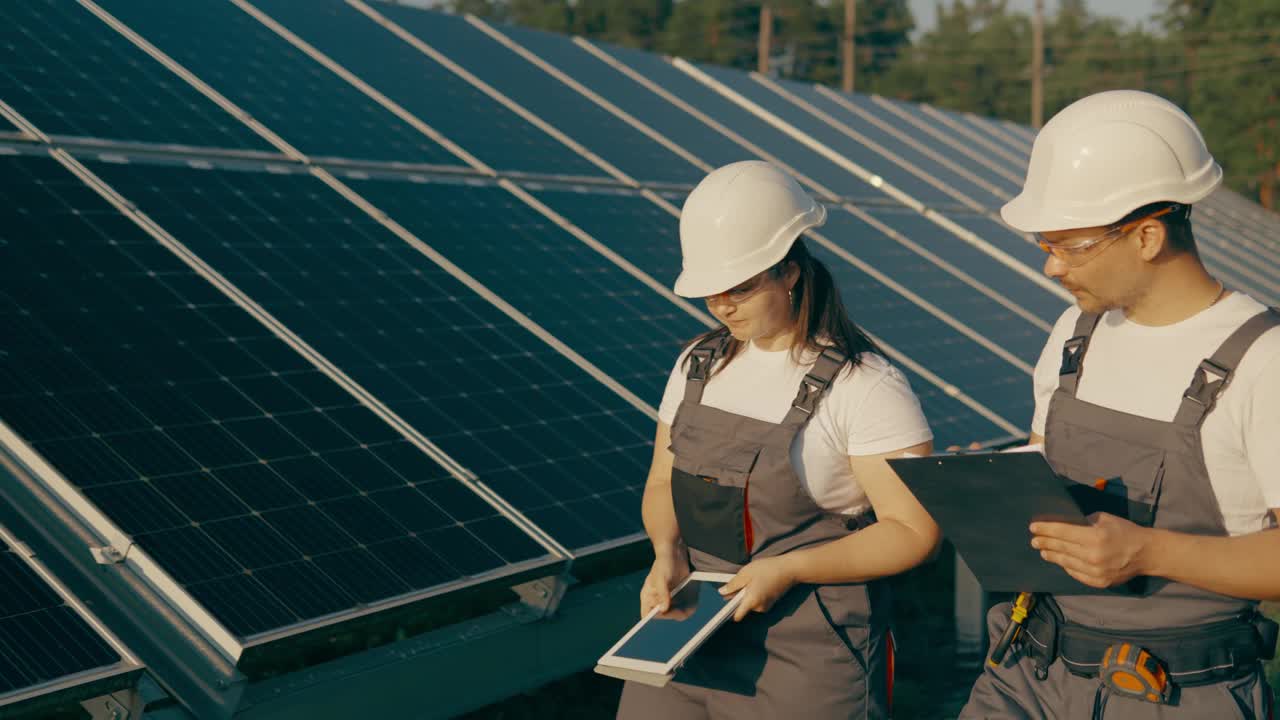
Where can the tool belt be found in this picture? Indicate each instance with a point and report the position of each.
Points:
(1195, 655)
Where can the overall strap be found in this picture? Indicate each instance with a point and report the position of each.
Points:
(814, 384)
(1214, 374)
(701, 359)
(1073, 351)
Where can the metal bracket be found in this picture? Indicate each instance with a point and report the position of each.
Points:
(107, 707)
(108, 555)
(540, 598)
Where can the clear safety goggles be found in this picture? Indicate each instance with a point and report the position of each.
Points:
(1078, 252)
(743, 291)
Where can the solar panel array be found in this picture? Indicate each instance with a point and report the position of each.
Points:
(328, 308)
(47, 645)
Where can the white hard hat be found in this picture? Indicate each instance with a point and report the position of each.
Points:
(1105, 156)
(740, 220)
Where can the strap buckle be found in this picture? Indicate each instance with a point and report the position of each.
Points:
(811, 388)
(700, 363)
(1204, 391)
(1072, 352)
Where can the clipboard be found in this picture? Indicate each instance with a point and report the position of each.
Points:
(984, 503)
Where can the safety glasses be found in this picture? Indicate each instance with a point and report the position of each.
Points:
(744, 291)
(1078, 252)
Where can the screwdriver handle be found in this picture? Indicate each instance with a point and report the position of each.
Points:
(1021, 608)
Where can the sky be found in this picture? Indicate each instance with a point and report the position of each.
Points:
(1129, 10)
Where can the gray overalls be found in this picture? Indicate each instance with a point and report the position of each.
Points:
(1211, 644)
(821, 651)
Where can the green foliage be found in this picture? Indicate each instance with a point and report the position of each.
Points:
(1234, 89)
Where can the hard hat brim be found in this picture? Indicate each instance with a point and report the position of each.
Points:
(701, 283)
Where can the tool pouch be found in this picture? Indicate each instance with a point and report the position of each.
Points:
(1040, 631)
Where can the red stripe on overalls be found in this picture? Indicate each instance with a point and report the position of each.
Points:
(891, 660)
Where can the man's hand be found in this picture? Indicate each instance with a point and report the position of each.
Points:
(762, 582)
(1106, 552)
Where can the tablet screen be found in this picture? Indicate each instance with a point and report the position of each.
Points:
(662, 636)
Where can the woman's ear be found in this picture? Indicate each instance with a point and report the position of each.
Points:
(791, 274)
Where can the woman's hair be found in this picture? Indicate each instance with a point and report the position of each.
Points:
(818, 316)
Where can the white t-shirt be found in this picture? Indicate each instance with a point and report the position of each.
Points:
(1143, 370)
(869, 411)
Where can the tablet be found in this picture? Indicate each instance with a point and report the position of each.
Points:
(658, 645)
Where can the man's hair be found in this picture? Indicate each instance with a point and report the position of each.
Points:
(1177, 224)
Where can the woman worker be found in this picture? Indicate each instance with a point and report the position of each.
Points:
(769, 462)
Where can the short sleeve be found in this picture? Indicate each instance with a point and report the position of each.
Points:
(889, 417)
(674, 391)
(1261, 427)
(1045, 379)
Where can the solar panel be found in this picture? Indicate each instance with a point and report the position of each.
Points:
(269, 493)
(897, 115)
(991, 131)
(846, 146)
(70, 74)
(594, 127)
(612, 319)
(309, 106)
(646, 235)
(1004, 237)
(933, 283)
(46, 645)
(866, 125)
(752, 128)
(564, 449)
(1026, 293)
(1016, 287)
(633, 98)
(446, 102)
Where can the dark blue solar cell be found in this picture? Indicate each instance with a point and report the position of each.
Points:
(193, 450)
(306, 104)
(69, 73)
(682, 128)
(645, 235)
(1003, 237)
(845, 146)
(581, 297)
(897, 141)
(934, 284)
(993, 130)
(446, 102)
(444, 359)
(1016, 287)
(42, 639)
(756, 131)
(915, 123)
(597, 129)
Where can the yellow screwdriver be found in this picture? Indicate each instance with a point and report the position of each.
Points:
(1021, 608)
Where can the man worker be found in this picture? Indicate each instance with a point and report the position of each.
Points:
(1161, 384)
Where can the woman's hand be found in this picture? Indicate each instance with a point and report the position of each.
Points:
(762, 582)
(670, 567)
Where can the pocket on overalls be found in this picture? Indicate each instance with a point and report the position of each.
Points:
(1134, 494)
(1250, 696)
(847, 609)
(709, 489)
